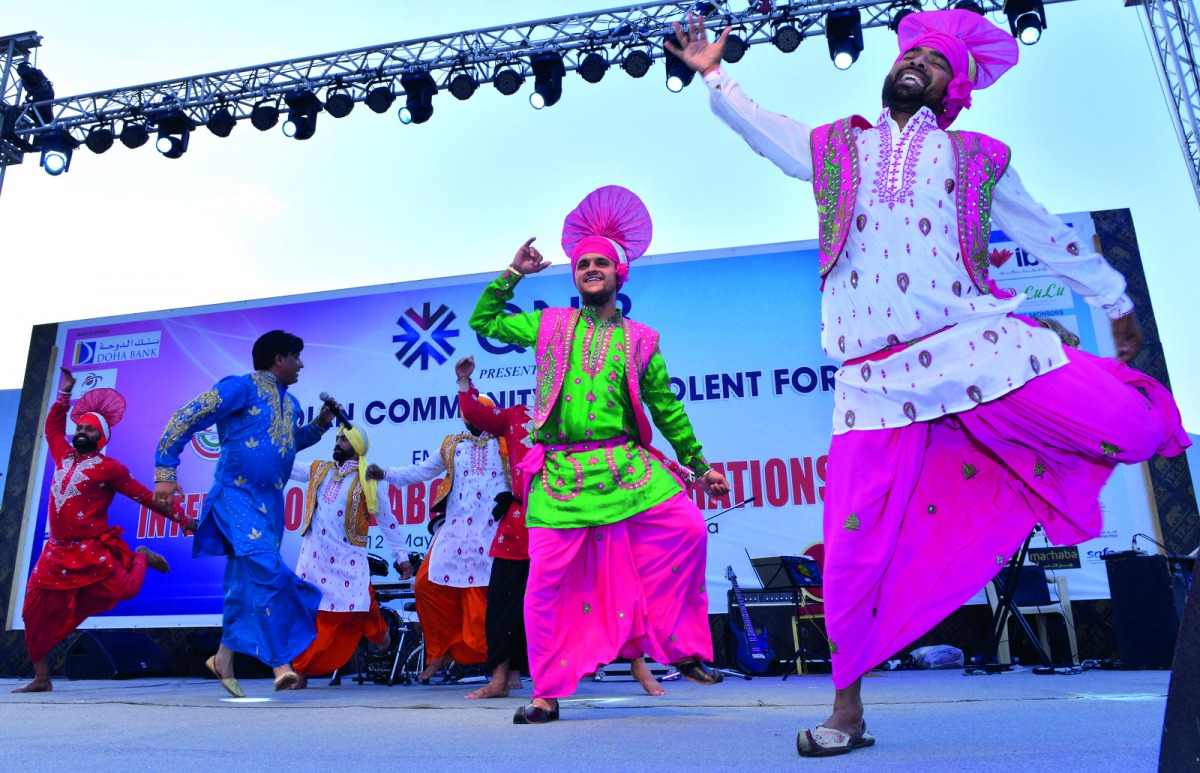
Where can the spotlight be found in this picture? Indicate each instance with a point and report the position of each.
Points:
(902, 9)
(969, 5)
(637, 63)
(174, 130)
(56, 147)
(99, 139)
(508, 81)
(548, 73)
(265, 115)
(679, 74)
(843, 30)
(338, 103)
(303, 106)
(1026, 19)
(134, 135)
(735, 49)
(221, 121)
(463, 85)
(593, 67)
(419, 89)
(380, 99)
(787, 38)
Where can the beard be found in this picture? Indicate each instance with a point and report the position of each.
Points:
(596, 297)
(905, 99)
(83, 445)
(341, 455)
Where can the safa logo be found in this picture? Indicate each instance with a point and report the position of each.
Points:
(426, 335)
(207, 444)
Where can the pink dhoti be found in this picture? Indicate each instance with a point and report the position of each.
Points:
(919, 518)
(627, 589)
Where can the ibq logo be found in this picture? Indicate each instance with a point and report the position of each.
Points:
(426, 335)
(207, 444)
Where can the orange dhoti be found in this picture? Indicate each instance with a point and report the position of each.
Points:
(338, 634)
(452, 619)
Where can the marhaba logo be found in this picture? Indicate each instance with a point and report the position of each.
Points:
(426, 335)
(207, 444)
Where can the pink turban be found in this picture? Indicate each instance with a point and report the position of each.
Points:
(610, 221)
(979, 52)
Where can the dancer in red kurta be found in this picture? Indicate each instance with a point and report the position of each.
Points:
(85, 567)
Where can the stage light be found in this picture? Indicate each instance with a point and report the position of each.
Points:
(419, 90)
(735, 49)
(463, 85)
(843, 31)
(303, 106)
(969, 5)
(787, 38)
(637, 63)
(593, 67)
(99, 139)
(508, 81)
(338, 103)
(134, 135)
(1026, 19)
(174, 131)
(221, 121)
(548, 73)
(380, 99)
(57, 147)
(902, 9)
(265, 115)
(679, 74)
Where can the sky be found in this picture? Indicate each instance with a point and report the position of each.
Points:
(369, 201)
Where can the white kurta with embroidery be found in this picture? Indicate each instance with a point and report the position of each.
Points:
(327, 559)
(459, 555)
(900, 277)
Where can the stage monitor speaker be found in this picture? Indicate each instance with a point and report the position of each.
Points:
(113, 654)
(1148, 594)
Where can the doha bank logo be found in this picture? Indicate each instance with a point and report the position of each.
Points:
(426, 335)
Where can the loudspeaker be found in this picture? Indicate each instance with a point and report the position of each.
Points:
(1148, 594)
(105, 654)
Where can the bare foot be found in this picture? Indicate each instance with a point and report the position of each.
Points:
(301, 682)
(641, 672)
(154, 560)
(432, 668)
(492, 689)
(380, 647)
(39, 684)
(514, 682)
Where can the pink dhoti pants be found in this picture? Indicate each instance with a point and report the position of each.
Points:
(919, 518)
(627, 589)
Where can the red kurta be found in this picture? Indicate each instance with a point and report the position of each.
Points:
(512, 424)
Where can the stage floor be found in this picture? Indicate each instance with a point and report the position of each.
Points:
(924, 721)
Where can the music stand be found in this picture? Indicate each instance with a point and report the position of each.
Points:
(1008, 584)
(795, 574)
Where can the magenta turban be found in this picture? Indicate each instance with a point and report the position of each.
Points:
(610, 221)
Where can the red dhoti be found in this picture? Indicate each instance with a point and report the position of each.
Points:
(338, 634)
(452, 619)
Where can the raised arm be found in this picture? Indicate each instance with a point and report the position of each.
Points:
(490, 319)
(56, 418)
(475, 413)
(311, 433)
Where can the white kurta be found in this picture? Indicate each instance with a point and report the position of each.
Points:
(900, 277)
(327, 559)
(459, 554)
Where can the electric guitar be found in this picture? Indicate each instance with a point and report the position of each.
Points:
(754, 654)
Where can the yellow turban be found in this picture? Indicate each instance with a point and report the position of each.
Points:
(360, 441)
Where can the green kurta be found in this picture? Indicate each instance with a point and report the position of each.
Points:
(605, 485)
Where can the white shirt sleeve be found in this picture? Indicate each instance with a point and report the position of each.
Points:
(417, 473)
(301, 471)
(389, 525)
(777, 138)
(1058, 247)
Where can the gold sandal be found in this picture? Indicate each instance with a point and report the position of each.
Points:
(228, 682)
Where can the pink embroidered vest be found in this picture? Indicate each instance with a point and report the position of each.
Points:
(979, 163)
(554, 357)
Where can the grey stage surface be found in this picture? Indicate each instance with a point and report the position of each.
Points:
(924, 721)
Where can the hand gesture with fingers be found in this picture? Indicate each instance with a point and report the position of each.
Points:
(68, 381)
(693, 47)
(528, 260)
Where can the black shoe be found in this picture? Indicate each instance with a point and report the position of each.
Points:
(696, 671)
(534, 714)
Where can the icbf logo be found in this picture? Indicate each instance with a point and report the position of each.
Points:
(426, 335)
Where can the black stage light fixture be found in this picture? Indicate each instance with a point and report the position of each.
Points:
(99, 139)
(56, 147)
(338, 103)
(735, 49)
(637, 63)
(134, 135)
(265, 115)
(843, 30)
(380, 99)
(679, 74)
(174, 131)
(593, 66)
(900, 10)
(548, 72)
(419, 90)
(787, 38)
(508, 81)
(463, 85)
(969, 5)
(1026, 19)
(303, 106)
(221, 121)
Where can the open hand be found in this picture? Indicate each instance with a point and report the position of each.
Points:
(694, 49)
(528, 260)
(1128, 336)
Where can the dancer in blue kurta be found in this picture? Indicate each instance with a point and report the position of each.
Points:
(269, 612)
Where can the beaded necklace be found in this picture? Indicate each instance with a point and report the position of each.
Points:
(593, 361)
(334, 485)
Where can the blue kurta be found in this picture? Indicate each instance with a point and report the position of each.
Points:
(268, 611)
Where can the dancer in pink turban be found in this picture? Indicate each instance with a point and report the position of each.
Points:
(616, 547)
(957, 425)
